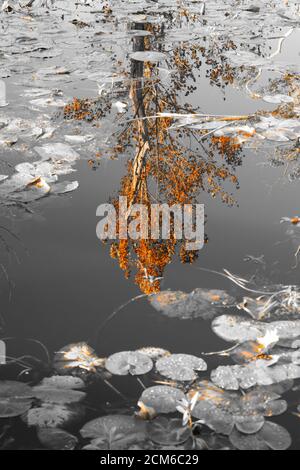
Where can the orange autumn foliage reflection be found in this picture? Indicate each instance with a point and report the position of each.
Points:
(165, 167)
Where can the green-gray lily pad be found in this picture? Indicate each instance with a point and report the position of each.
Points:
(162, 398)
(180, 367)
(271, 436)
(15, 398)
(58, 395)
(50, 415)
(201, 303)
(113, 430)
(129, 362)
(167, 432)
(57, 439)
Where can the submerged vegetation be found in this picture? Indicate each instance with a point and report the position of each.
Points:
(147, 64)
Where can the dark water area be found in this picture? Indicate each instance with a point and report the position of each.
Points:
(59, 282)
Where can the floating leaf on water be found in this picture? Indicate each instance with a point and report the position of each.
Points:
(278, 99)
(180, 367)
(15, 398)
(202, 303)
(36, 189)
(101, 428)
(154, 353)
(12, 389)
(237, 329)
(249, 424)
(222, 410)
(165, 431)
(64, 187)
(129, 362)
(271, 436)
(57, 151)
(10, 408)
(58, 395)
(66, 382)
(217, 419)
(50, 415)
(260, 372)
(234, 328)
(79, 139)
(162, 398)
(77, 356)
(56, 439)
(148, 56)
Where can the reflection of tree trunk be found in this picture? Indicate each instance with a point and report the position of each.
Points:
(136, 94)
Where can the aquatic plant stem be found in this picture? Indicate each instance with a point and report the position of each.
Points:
(115, 312)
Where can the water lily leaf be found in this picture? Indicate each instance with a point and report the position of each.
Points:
(162, 398)
(50, 415)
(249, 424)
(64, 187)
(238, 329)
(77, 356)
(66, 382)
(154, 353)
(217, 419)
(36, 189)
(79, 139)
(167, 432)
(15, 398)
(201, 303)
(222, 410)
(10, 408)
(57, 151)
(275, 436)
(148, 56)
(247, 442)
(180, 367)
(257, 373)
(12, 389)
(56, 439)
(120, 425)
(278, 99)
(129, 362)
(59, 395)
(271, 436)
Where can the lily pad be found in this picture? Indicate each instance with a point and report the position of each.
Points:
(15, 399)
(256, 373)
(59, 395)
(56, 439)
(77, 356)
(201, 303)
(57, 151)
(129, 362)
(50, 415)
(222, 410)
(65, 382)
(121, 425)
(238, 329)
(162, 398)
(271, 436)
(167, 432)
(154, 353)
(148, 56)
(180, 367)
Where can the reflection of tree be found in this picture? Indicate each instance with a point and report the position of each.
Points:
(169, 165)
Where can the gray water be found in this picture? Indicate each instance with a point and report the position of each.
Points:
(64, 283)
